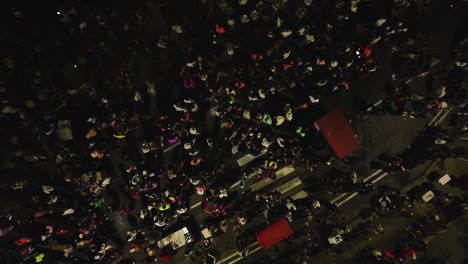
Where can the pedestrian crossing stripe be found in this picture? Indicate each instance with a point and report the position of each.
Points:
(439, 117)
(289, 185)
(300, 195)
(345, 197)
(249, 157)
(285, 188)
(279, 174)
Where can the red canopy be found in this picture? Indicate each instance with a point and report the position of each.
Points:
(274, 233)
(340, 135)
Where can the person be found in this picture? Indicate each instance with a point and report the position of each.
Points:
(290, 205)
(409, 253)
(406, 213)
(377, 253)
(383, 255)
(388, 256)
(316, 204)
(241, 220)
(223, 225)
(166, 254)
(378, 229)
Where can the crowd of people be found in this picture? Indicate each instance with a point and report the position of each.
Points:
(86, 128)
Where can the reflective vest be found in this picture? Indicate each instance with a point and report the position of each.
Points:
(299, 131)
(173, 199)
(39, 257)
(377, 253)
(279, 22)
(119, 136)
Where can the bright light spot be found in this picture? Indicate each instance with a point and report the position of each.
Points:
(58, 13)
(75, 66)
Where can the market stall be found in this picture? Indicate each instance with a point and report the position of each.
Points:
(177, 239)
(338, 132)
(275, 233)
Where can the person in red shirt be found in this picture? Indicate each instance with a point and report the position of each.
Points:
(23, 241)
(409, 253)
(387, 256)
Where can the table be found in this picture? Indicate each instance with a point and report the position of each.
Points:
(177, 239)
(335, 240)
(206, 233)
(444, 179)
(208, 239)
(428, 196)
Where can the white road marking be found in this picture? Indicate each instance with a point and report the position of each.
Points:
(435, 63)
(171, 147)
(300, 195)
(372, 175)
(289, 185)
(443, 117)
(235, 149)
(379, 178)
(356, 193)
(234, 185)
(258, 185)
(337, 198)
(214, 109)
(250, 253)
(374, 105)
(251, 174)
(233, 134)
(347, 199)
(463, 42)
(365, 180)
(234, 254)
(279, 174)
(435, 117)
(249, 157)
(195, 205)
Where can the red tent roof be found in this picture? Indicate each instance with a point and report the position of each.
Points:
(274, 233)
(340, 135)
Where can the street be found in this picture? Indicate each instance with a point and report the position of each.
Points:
(222, 131)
